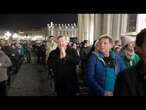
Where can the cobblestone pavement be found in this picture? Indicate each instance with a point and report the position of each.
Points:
(31, 80)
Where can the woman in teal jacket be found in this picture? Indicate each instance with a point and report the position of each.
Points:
(102, 68)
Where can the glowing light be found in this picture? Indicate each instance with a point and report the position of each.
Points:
(8, 34)
(15, 36)
(37, 38)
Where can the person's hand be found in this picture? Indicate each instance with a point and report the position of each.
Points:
(108, 94)
(0, 64)
(62, 52)
(62, 47)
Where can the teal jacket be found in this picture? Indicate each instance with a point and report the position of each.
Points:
(100, 77)
(135, 60)
(21, 51)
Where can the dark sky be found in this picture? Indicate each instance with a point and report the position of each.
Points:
(29, 21)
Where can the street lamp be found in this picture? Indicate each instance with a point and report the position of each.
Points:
(8, 34)
(15, 36)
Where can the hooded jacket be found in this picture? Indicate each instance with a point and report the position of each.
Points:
(99, 76)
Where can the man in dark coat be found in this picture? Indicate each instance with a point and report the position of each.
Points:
(14, 57)
(63, 62)
(84, 52)
(38, 52)
(132, 82)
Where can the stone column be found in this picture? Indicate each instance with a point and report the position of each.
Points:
(141, 22)
(116, 26)
(97, 25)
(107, 22)
(86, 27)
(80, 26)
(91, 28)
(124, 23)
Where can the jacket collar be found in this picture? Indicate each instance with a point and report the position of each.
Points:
(112, 54)
(100, 56)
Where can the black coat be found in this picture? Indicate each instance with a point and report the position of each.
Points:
(66, 81)
(132, 82)
(84, 51)
(14, 55)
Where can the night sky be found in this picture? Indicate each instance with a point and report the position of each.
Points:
(31, 21)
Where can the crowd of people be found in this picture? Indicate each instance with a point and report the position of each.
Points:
(106, 68)
(100, 65)
(12, 55)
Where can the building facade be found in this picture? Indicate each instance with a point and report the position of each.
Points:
(91, 26)
(67, 30)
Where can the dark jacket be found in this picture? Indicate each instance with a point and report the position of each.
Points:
(66, 82)
(132, 82)
(14, 55)
(84, 51)
(6, 50)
